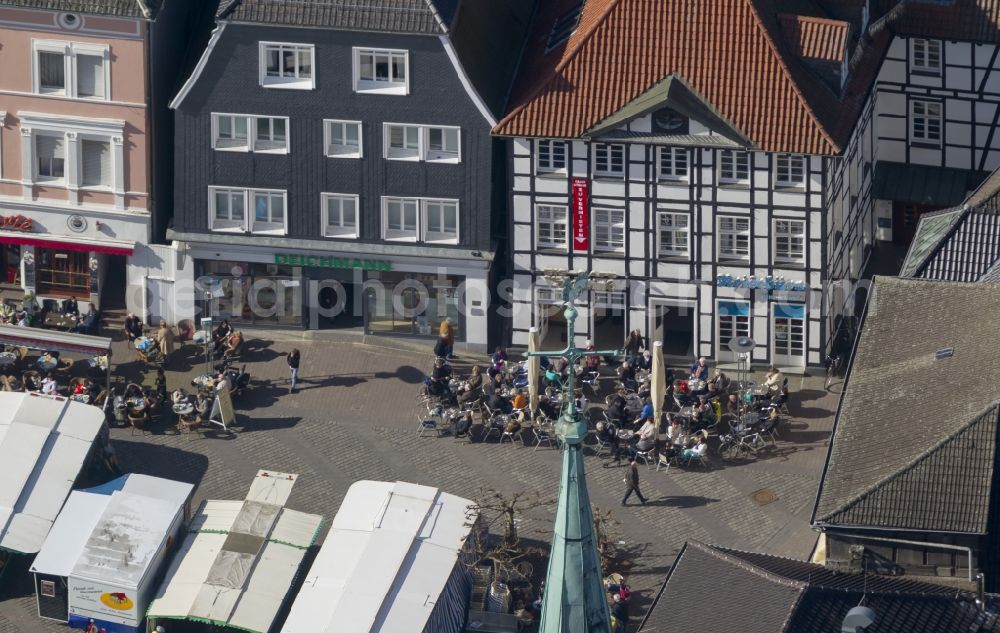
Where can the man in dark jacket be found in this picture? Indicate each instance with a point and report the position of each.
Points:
(632, 483)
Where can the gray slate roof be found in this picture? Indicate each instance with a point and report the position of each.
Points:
(390, 16)
(914, 442)
(721, 590)
(119, 8)
(958, 244)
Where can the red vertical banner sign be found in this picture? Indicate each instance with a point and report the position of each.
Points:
(581, 215)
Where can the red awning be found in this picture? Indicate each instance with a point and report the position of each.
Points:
(109, 248)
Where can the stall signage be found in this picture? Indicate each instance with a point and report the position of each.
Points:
(581, 217)
(760, 283)
(15, 222)
(99, 600)
(317, 261)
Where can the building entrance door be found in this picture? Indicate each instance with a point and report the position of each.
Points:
(732, 319)
(674, 325)
(789, 324)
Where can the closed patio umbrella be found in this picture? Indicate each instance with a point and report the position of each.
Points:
(534, 367)
(658, 380)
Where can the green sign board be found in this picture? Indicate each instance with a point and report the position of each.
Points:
(317, 261)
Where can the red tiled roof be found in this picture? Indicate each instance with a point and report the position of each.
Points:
(723, 49)
(816, 38)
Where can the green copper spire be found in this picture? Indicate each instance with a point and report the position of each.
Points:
(574, 599)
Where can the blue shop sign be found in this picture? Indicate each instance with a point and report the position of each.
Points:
(760, 283)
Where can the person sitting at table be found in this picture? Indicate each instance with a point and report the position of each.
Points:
(646, 439)
(547, 408)
(647, 411)
(133, 327)
(616, 410)
(774, 380)
(233, 344)
(79, 388)
(497, 402)
(646, 361)
(698, 450)
(71, 307)
(591, 362)
(463, 424)
(718, 379)
(520, 401)
(626, 374)
(202, 405)
(470, 391)
(22, 319)
(49, 384)
(780, 399)
(152, 400)
(699, 370)
(89, 323)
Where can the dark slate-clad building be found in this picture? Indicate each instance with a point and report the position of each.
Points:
(721, 590)
(335, 166)
(909, 486)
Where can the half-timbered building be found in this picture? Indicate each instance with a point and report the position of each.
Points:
(681, 151)
(922, 105)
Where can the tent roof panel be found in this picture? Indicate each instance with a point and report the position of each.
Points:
(270, 486)
(70, 342)
(268, 587)
(69, 533)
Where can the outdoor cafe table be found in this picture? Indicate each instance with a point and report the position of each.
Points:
(80, 397)
(183, 408)
(48, 363)
(7, 358)
(60, 320)
(98, 363)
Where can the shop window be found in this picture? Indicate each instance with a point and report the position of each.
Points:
(62, 272)
(412, 304)
(251, 293)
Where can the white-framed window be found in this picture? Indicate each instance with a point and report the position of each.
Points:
(609, 159)
(285, 65)
(342, 138)
(72, 69)
(734, 237)
(789, 170)
(230, 132)
(248, 210)
(272, 134)
(790, 241)
(228, 209)
(673, 234)
(440, 221)
(250, 133)
(609, 230)
(50, 158)
(381, 71)
(551, 225)
(925, 121)
(420, 220)
(434, 144)
(734, 167)
(673, 163)
(925, 55)
(47, 588)
(340, 215)
(95, 162)
(550, 155)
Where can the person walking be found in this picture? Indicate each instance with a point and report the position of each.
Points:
(447, 335)
(293, 367)
(632, 482)
(165, 340)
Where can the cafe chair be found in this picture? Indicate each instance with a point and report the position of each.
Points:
(138, 421)
(189, 423)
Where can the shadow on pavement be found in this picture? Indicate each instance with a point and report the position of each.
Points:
(681, 501)
(158, 460)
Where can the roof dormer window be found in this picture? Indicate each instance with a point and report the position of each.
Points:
(564, 27)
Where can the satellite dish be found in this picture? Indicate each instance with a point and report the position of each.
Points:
(857, 619)
(741, 344)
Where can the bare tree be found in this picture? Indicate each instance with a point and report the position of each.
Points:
(493, 520)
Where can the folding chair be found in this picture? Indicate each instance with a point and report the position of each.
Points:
(543, 436)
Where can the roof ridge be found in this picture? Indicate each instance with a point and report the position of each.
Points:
(977, 418)
(786, 70)
(585, 37)
(723, 554)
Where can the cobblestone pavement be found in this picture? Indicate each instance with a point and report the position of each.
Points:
(354, 418)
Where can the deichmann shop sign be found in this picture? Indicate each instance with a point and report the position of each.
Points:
(317, 261)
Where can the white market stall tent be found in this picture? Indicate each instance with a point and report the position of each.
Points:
(392, 563)
(46, 442)
(103, 556)
(238, 559)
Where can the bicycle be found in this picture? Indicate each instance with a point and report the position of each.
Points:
(832, 370)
